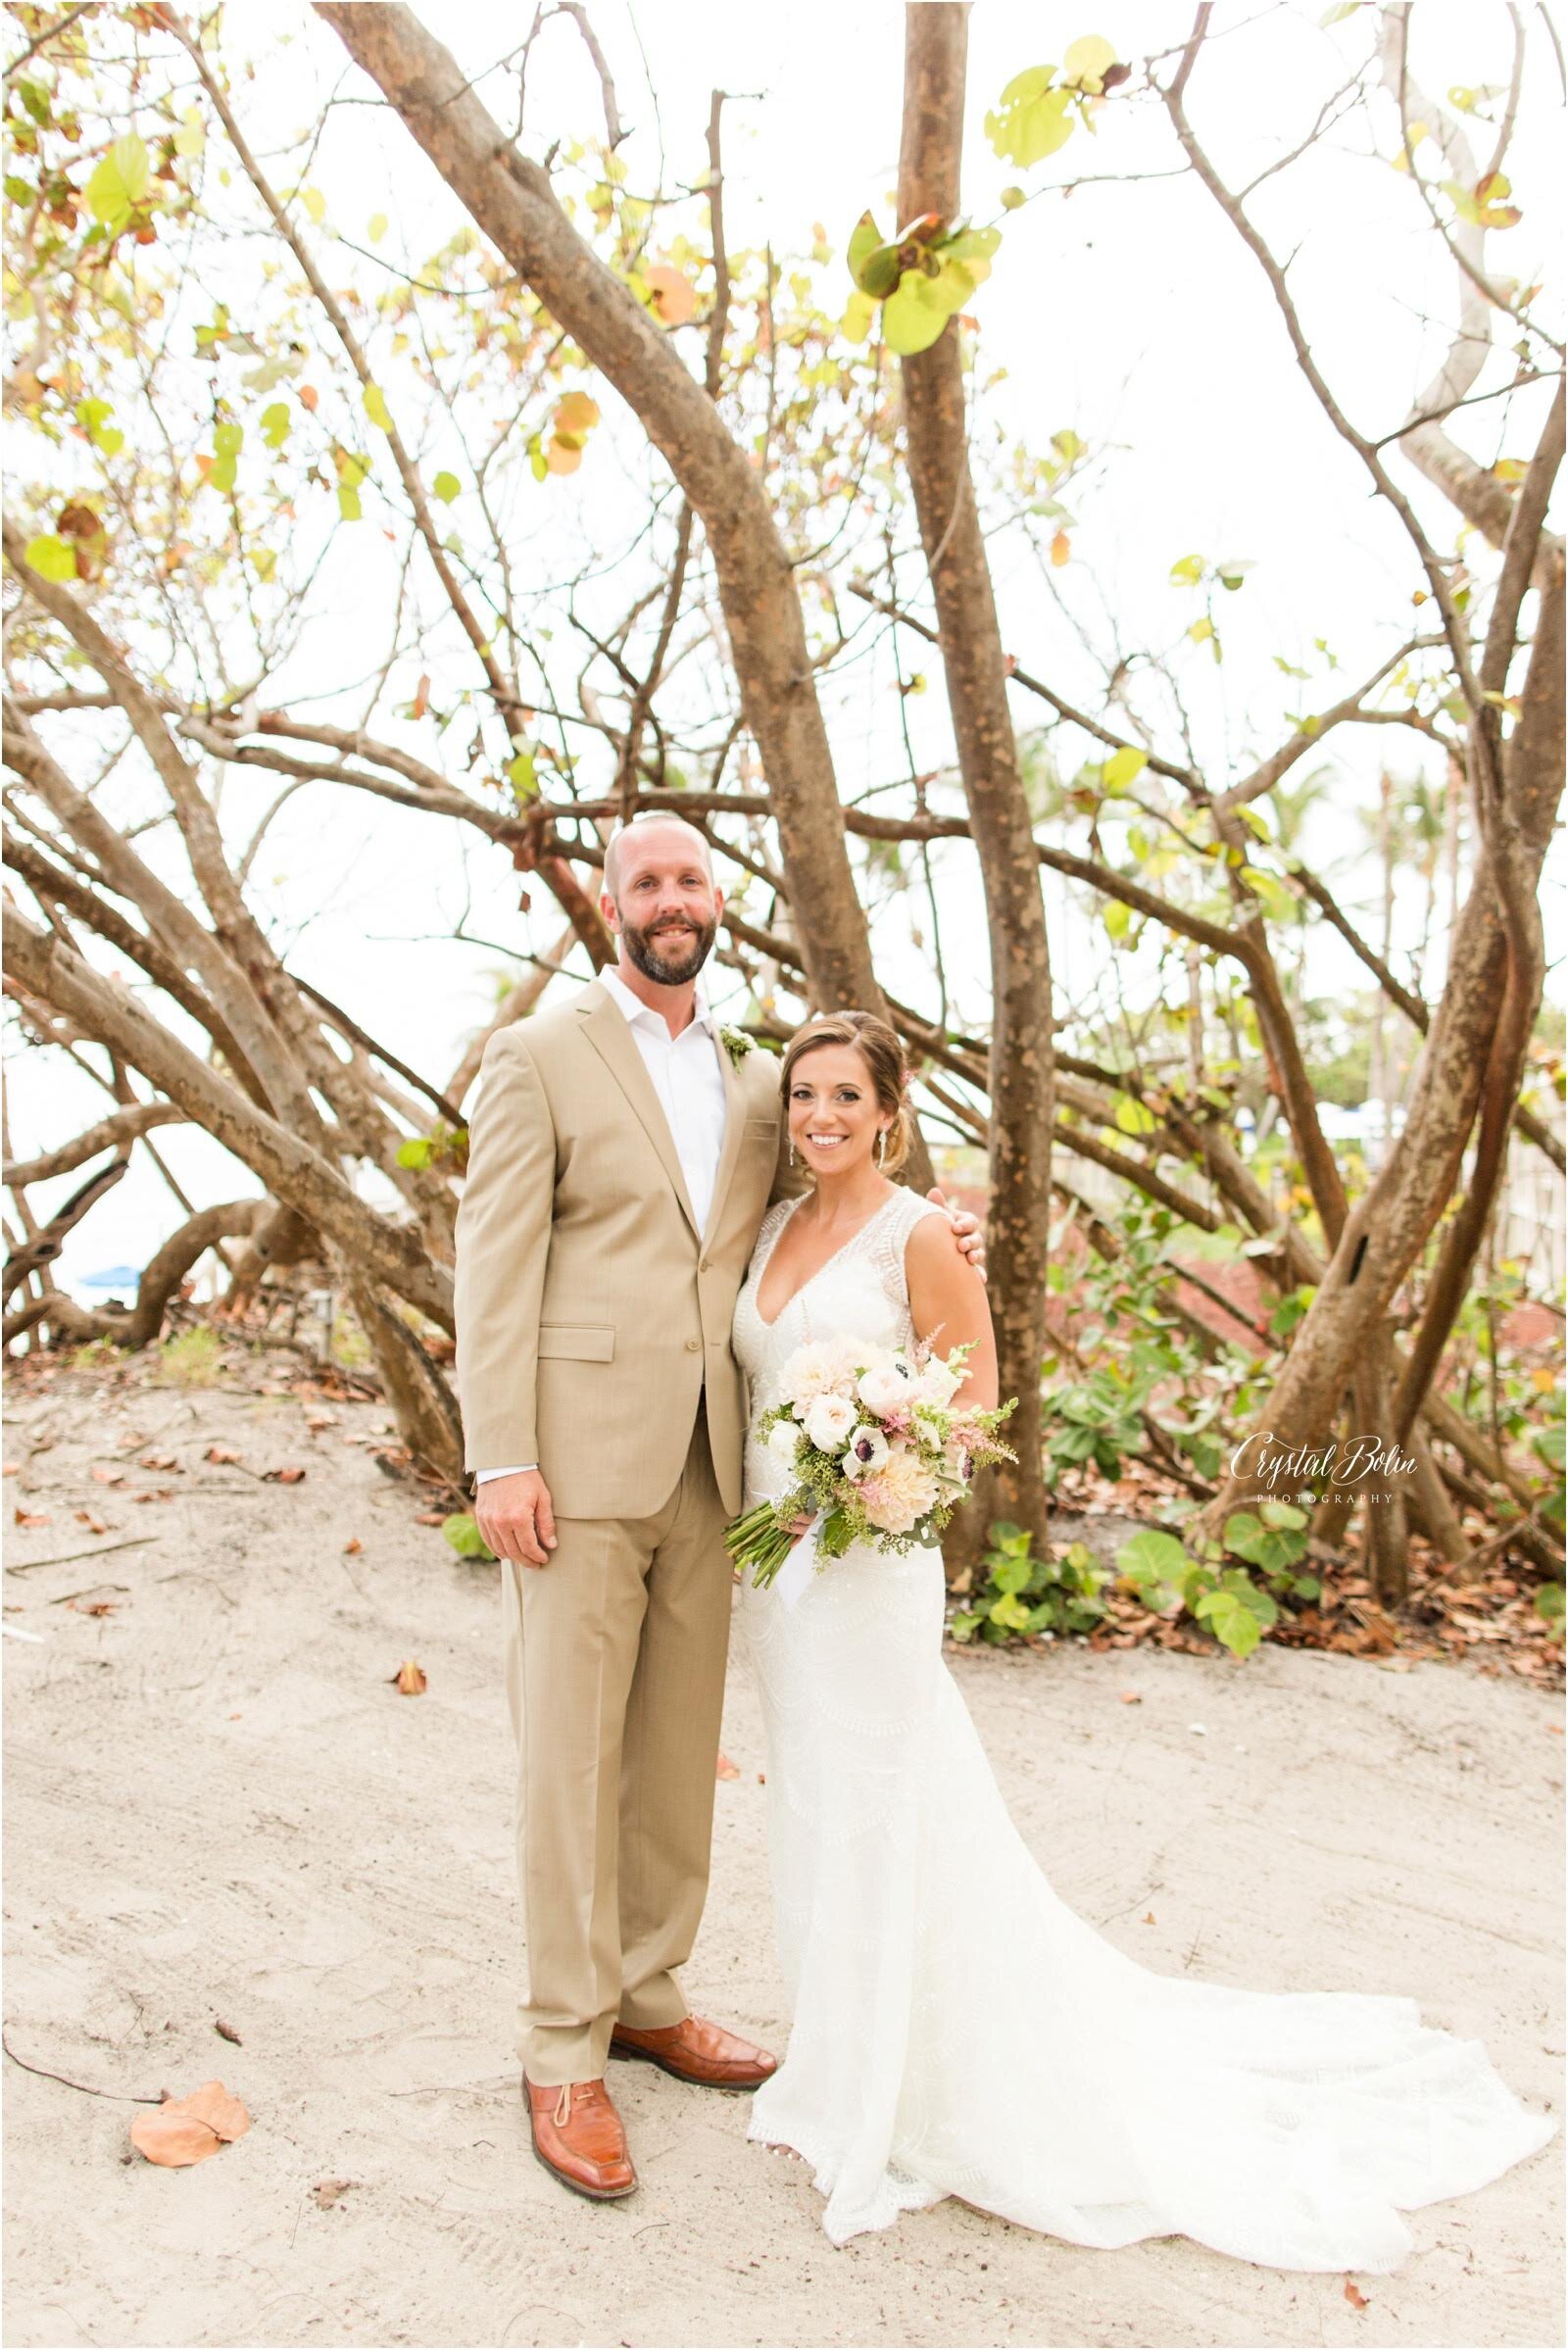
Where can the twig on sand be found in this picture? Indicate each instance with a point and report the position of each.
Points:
(119, 2096)
(131, 1541)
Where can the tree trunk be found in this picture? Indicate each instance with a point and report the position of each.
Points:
(976, 670)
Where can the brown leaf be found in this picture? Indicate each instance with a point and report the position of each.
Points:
(9, 1468)
(1132, 1697)
(93, 1607)
(410, 1678)
(1148, 1917)
(158, 1460)
(429, 1517)
(226, 2030)
(327, 2191)
(727, 1769)
(106, 1475)
(30, 1517)
(310, 397)
(1354, 2294)
(93, 1523)
(421, 698)
(187, 2130)
(289, 1476)
(1060, 549)
(352, 1545)
(223, 1455)
(158, 1492)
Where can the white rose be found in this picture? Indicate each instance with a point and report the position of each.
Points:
(887, 1386)
(784, 1441)
(829, 1422)
(939, 1382)
(867, 1450)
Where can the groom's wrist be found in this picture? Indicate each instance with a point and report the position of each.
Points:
(483, 1476)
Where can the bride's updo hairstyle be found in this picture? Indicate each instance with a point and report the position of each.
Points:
(883, 1054)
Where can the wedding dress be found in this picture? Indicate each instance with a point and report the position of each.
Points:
(959, 2031)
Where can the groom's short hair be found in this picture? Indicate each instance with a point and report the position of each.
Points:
(646, 823)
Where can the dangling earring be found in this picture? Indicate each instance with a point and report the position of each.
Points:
(881, 1144)
(791, 1149)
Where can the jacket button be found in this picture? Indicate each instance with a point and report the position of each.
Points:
(694, 1346)
(704, 1264)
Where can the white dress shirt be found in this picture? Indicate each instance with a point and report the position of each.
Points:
(690, 1084)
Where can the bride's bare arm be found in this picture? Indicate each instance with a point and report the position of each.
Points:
(948, 1306)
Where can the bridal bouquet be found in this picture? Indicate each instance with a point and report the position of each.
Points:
(875, 1453)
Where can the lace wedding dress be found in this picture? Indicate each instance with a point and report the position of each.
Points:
(958, 2029)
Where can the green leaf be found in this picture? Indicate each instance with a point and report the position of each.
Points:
(523, 776)
(315, 204)
(1117, 919)
(1550, 1600)
(347, 501)
(376, 227)
(1134, 1116)
(1123, 767)
(1009, 1612)
(119, 182)
(1282, 1513)
(191, 136)
(864, 238)
(1088, 60)
(1187, 572)
(52, 558)
(910, 319)
(1033, 119)
(446, 487)
(277, 423)
(375, 407)
(859, 313)
(462, 1531)
(1151, 1557)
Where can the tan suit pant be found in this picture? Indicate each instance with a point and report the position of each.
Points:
(615, 1667)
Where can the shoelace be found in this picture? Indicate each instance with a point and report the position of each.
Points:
(563, 2107)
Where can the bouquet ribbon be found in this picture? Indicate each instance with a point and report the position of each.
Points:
(799, 1566)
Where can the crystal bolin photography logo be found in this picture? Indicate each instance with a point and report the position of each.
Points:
(1312, 1471)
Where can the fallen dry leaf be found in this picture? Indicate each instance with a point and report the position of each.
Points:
(9, 1468)
(430, 1517)
(1148, 1917)
(353, 1545)
(157, 1493)
(224, 1455)
(1132, 1697)
(727, 1769)
(226, 2030)
(187, 2130)
(410, 1678)
(158, 1460)
(327, 2191)
(1354, 2294)
(108, 1475)
(93, 1607)
(93, 1523)
(30, 1517)
(289, 1476)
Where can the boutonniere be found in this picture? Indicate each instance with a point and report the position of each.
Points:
(736, 1043)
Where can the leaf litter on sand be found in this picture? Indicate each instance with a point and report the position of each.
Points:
(187, 2130)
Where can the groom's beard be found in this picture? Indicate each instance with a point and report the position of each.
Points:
(668, 956)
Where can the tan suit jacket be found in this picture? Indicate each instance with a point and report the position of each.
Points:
(591, 1312)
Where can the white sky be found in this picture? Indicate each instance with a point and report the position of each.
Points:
(1129, 313)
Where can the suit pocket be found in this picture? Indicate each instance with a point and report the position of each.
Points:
(577, 1341)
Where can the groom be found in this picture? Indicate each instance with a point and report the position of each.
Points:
(621, 1155)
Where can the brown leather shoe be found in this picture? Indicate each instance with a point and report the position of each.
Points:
(577, 2134)
(698, 2051)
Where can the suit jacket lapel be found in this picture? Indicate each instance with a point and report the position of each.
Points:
(734, 1128)
(612, 1038)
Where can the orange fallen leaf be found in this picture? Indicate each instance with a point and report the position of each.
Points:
(1354, 2294)
(430, 1517)
(187, 2130)
(327, 2191)
(410, 1678)
(158, 1492)
(223, 1455)
(1148, 1917)
(30, 1517)
(288, 1476)
(93, 1607)
(727, 1769)
(227, 2029)
(353, 1545)
(108, 1475)
(9, 1468)
(1132, 1697)
(93, 1523)
(158, 1460)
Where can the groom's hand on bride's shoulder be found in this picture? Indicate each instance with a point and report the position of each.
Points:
(516, 1516)
(967, 1230)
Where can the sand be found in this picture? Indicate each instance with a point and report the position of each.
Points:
(218, 1806)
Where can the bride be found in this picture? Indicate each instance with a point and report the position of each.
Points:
(958, 2029)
